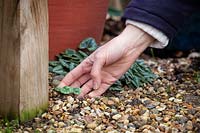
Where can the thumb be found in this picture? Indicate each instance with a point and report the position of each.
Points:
(96, 70)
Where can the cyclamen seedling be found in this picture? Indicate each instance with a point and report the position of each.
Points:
(68, 90)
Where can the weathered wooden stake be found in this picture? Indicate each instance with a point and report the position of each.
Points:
(23, 58)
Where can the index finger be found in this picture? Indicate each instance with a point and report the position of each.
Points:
(77, 72)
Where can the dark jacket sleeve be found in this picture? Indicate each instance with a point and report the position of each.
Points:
(165, 15)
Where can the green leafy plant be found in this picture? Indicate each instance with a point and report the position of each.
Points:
(136, 76)
(68, 90)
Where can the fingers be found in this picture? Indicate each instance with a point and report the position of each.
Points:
(99, 92)
(96, 70)
(81, 80)
(77, 72)
(87, 87)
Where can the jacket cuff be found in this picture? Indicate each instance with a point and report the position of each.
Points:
(161, 39)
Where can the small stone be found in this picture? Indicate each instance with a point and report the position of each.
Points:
(150, 106)
(183, 120)
(110, 102)
(135, 111)
(113, 131)
(161, 89)
(59, 77)
(69, 105)
(166, 118)
(178, 100)
(107, 114)
(115, 99)
(37, 120)
(92, 125)
(178, 95)
(51, 131)
(171, 99)
(114, 111)
(99, 128)
(146, 131)
(87, 108)
(55, 107)
(152, 116)
(159, 118)
(61, 124)
(189, 125)
(117, 116)
(126, 122)
(55, 82)
(155, 111)
(145, 116)
(161, 107)
(174, 130)
(44, 115)
(76, 130)
(70, 99)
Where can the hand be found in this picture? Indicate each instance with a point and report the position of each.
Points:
(108, 63)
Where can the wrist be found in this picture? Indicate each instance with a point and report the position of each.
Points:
(134, 37)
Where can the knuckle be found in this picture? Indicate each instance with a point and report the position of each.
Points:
(99, 56)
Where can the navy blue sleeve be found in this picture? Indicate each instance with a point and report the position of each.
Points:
(165, 15)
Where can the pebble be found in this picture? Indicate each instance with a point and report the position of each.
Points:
(70, 99)
(55, 82)
(171, 99)
(145, 116)
(110, 102)
(76, 130)
(189, 125)
(178, 100)
(166, 118)
(92, 125)
(159, 118)
(161, 107)
(51, 131)
(117, 116)
(61, 124)
(161, 89)
(55, 107)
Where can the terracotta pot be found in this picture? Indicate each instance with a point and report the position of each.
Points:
(71, 21)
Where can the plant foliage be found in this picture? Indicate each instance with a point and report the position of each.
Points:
(68, 90)
(136, 76)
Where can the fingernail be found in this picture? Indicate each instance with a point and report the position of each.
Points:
(95, 86)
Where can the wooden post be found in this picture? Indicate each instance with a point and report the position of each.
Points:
(23, 58)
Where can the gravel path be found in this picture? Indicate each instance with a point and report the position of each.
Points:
(170, 104)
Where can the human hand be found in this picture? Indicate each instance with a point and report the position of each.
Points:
(108, 63)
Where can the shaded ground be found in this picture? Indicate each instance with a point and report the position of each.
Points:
(170, 104)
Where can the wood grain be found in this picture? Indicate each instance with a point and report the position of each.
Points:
(23, 57)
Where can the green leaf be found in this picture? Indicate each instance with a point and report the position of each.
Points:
(116, 88)
(59, 67)
(54, 63)
(64, 63)
(83, 54)
(50, 69)
(71, 66)
(70, 52)
(68, 90)
(89, 44)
